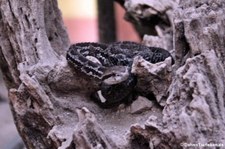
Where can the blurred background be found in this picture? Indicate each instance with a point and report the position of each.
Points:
(81, 19)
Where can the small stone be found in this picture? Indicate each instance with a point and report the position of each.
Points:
(140, 105)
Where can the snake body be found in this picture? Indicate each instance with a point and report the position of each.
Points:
(95, 59)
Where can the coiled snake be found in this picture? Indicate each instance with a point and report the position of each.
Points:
(111, 64)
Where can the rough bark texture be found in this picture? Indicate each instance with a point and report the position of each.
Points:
(50, 101)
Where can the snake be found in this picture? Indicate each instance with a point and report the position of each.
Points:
(111, 65)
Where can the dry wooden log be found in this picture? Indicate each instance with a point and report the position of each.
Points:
(194, 110)
(51, 103)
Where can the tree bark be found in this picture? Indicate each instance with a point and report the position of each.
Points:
(51, 103)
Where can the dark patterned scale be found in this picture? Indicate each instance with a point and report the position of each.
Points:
(77, 55)
(106, 57)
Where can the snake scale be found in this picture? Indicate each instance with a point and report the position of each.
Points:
(111, 64)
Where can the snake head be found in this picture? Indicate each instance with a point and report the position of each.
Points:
(113, 95)
(117, 87)
(115, 75)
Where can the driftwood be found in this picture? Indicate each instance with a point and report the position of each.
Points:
(51, 103)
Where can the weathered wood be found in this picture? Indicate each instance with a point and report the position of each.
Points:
(194, 110)
(51, 103)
